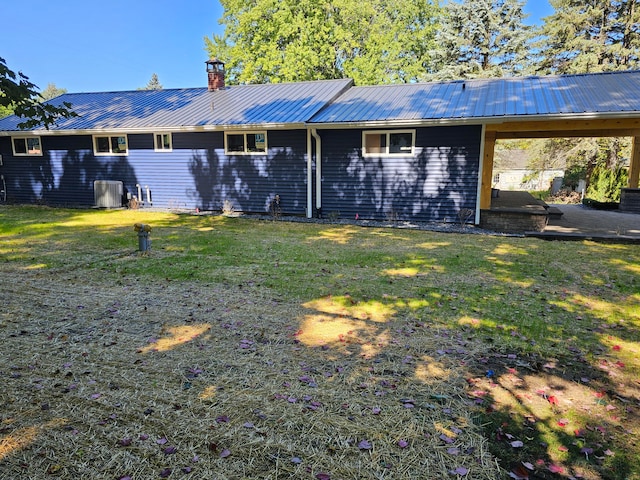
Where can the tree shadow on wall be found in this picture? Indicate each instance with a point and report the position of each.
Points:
(434, 185)
(67, 181)
(249, 182)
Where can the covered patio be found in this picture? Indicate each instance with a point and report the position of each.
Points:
(519, 211)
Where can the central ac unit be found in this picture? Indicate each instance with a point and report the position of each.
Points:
(108, 193)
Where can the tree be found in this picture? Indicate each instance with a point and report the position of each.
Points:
(591, 36)
(20, 96)
(52, 92)
(153, 84)
(482, 38)
(380, 41)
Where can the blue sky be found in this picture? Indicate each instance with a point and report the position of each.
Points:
(89, 46)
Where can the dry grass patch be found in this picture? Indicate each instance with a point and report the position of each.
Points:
(170, 379)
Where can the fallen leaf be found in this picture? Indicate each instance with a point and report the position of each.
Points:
(364, 445)
(461, 471)
(323, 476)
(446, 438)
(555, 468)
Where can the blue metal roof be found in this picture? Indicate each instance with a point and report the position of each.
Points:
(494, 98)
(338, 102)
(269, 104)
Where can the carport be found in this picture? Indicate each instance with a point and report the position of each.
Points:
(561, 128)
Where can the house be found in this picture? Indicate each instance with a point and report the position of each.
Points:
(418, 152)
(511, 171)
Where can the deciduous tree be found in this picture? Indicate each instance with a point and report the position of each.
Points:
(380, 41)
(20, 96)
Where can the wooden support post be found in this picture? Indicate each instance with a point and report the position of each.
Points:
(634, 167)
(487, 170)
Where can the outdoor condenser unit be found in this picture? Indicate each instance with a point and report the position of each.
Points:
(108, 193)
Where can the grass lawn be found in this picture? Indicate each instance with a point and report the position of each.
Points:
(240, 348)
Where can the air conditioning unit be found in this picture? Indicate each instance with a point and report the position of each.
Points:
(108, 193)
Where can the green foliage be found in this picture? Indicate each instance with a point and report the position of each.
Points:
(296, 40)
(590, 36)
(52, 92)
(153, 84)
(605, 183)
(20, 96)
(482, 38)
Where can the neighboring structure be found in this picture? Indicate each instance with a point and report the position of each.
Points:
(419, 152)
(512, 172)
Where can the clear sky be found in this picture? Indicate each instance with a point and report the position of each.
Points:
(91, 46)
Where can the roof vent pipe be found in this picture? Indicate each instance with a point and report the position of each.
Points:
(215, 73)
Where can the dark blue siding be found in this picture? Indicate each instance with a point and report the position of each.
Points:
(195, 174)
(433, 185)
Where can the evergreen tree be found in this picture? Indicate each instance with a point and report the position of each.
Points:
(380, 41)
(482, 38)
(583, 36)
(153, 84)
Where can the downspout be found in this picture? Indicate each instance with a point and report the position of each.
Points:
(309, 176)
(314, 132)
(481, 160)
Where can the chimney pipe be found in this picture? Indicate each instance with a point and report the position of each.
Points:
(215, 73)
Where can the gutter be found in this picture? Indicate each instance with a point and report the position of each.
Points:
(314, 133)
(476, 220)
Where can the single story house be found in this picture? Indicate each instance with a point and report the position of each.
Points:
(417, 152)
(511, 171)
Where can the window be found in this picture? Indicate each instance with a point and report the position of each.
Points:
(394, 142)
(26, 146)
(162, 142)
(251, 142)
(110, 145)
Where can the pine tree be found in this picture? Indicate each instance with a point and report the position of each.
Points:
(153, 84)
(591, 36)
(482, 38)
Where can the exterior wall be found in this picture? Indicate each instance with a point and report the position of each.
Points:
(195, 174)
(434, 184)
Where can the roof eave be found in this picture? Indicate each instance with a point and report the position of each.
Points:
(477, 120)
(162, 129)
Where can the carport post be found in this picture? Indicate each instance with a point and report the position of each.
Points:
(487, 170)
(634, 166)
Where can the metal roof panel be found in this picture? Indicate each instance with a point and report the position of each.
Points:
(599, 93)
(281, 103)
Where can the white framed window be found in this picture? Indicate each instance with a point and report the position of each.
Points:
(245, 142)
(26, 146)
(110, 145)
(377, 143)
(162, 142)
